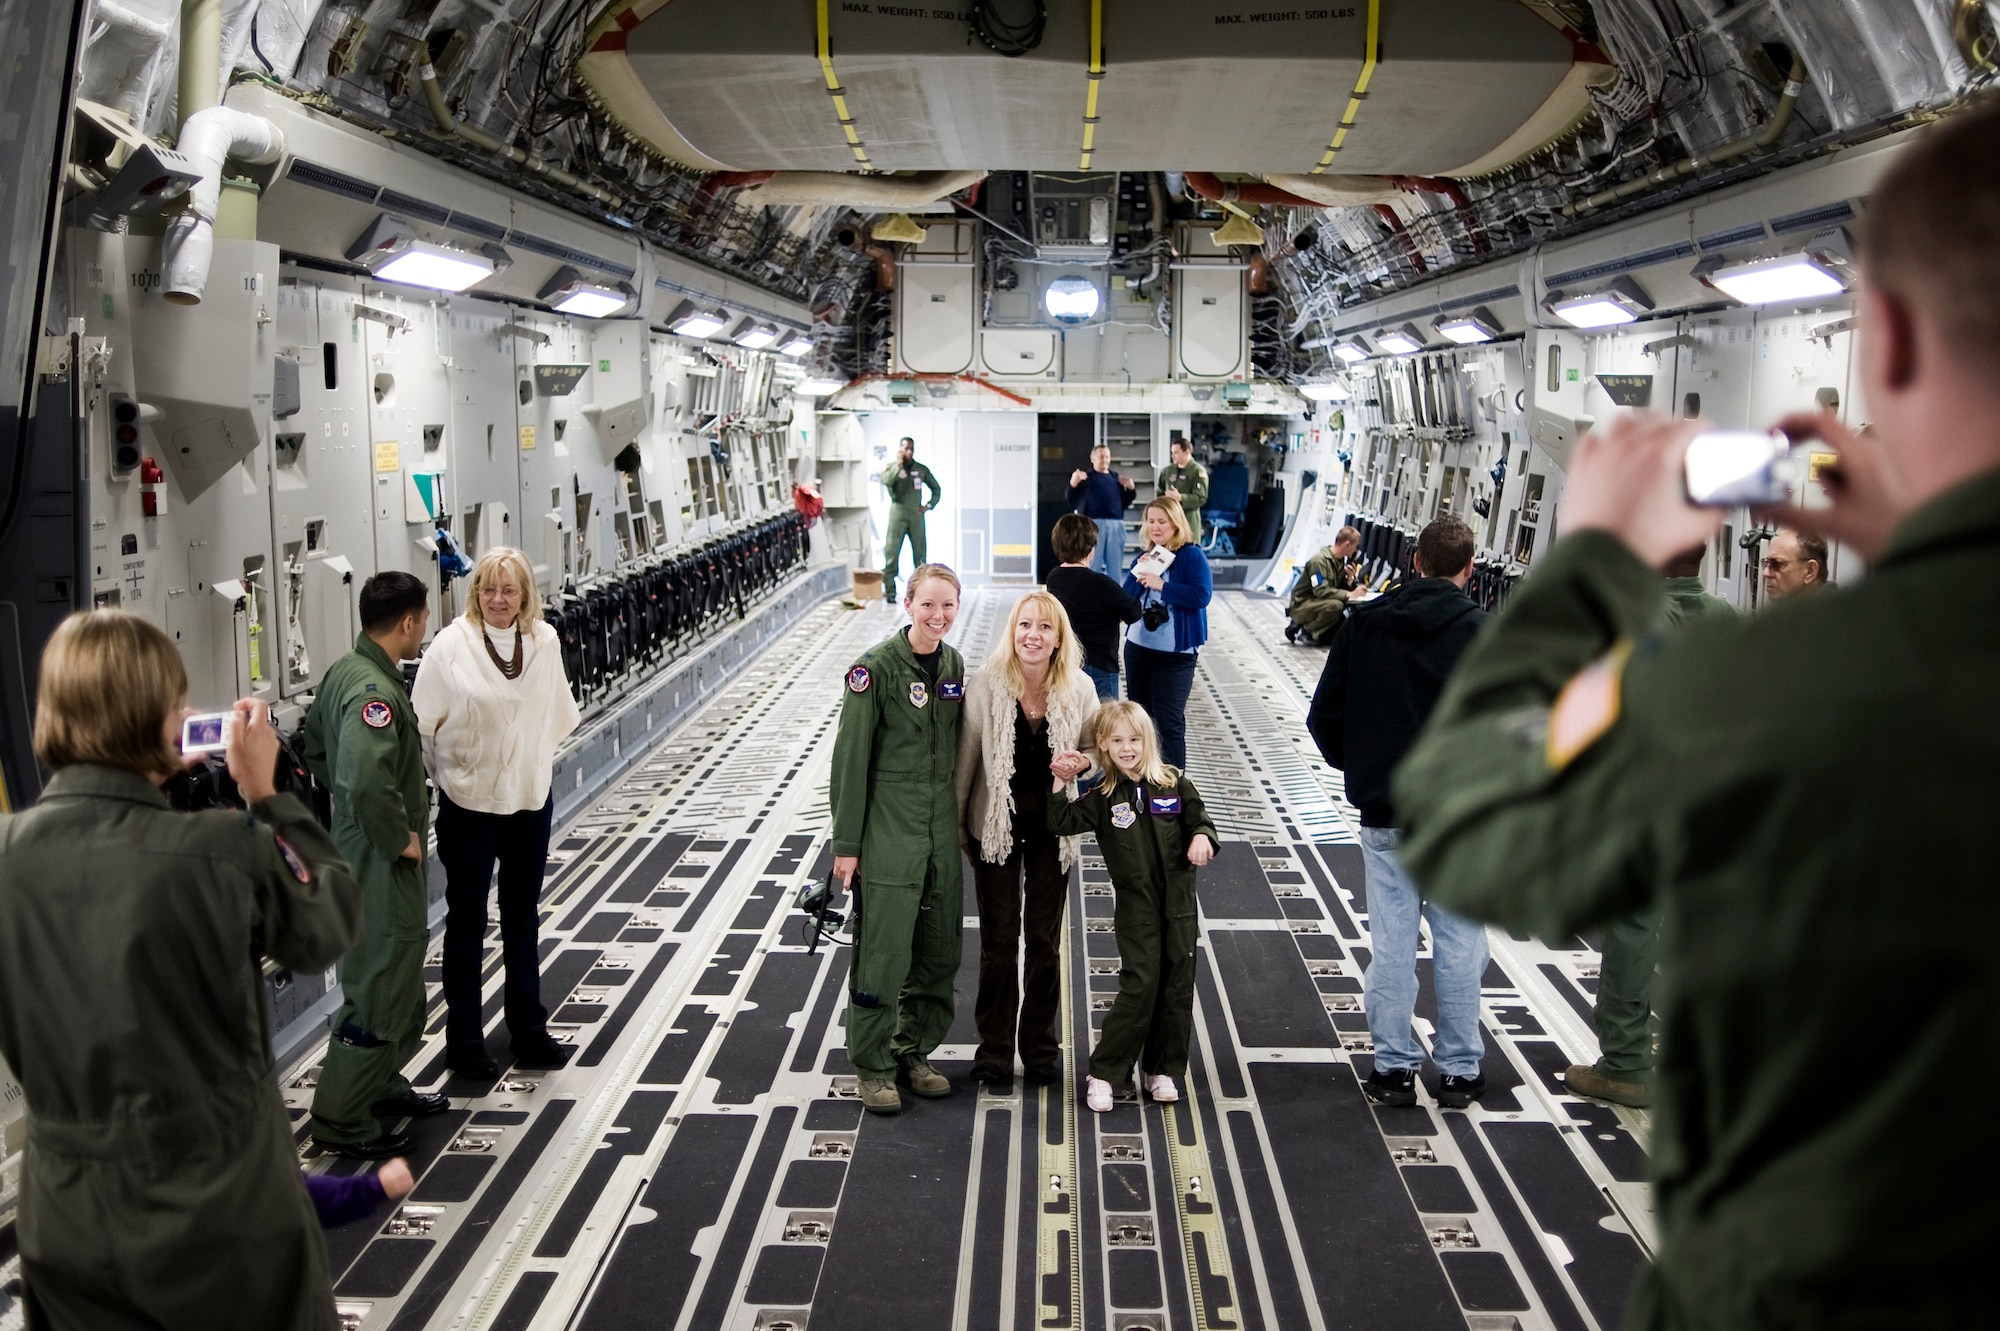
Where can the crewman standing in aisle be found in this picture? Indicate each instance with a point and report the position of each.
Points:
(362, 744)
(1811, 792)
(1186, 480)
(906, 478)
(894, 796)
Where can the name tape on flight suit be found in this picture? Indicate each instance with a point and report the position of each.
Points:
(376, 714)
(951, 690)
(857, 679)
(1587, 707)
(1165, 806)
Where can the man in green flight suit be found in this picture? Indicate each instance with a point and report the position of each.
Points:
(1319, 597)
(1623, 1014)
(894, 797)
(1804, 921)
(905, 479)
(362, 744)
(1186, 480)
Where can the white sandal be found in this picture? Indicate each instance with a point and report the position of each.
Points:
(1161, 1087)
(1097, 1094)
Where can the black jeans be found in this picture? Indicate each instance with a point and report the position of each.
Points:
(468, 844)
(1160, 682)
(1008, 913)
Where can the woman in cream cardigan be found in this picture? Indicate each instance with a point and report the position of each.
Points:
(1028, 702)
(492, 703)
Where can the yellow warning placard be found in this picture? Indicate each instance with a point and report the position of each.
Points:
(527, 438)
(1013, 549)
(387, 458)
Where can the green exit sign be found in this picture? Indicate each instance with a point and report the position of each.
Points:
(604, 367)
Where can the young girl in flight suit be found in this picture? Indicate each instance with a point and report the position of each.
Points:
(1153, 832)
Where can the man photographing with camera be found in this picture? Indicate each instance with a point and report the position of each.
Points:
(1579, 766)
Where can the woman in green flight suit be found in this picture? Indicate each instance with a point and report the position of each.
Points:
(160, 1189)
(896, 844)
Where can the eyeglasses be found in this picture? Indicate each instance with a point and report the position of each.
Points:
(1778, 565)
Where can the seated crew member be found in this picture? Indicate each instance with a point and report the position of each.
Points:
(1097, 606)
(1577, 767)
(1379, 684)
(1794, 564)
(1319, 597)
(160, 1187)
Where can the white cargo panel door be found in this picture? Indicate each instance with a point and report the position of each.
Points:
(934, 317)
(1211, 327)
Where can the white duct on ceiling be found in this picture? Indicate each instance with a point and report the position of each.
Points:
(866, 193)
(1339, 191)
(210, 138)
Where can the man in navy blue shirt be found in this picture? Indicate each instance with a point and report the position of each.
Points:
(1101, 495)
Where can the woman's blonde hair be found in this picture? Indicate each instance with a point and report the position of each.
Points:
(1065, 662)
(109, 683)
(922, 573)
(1177, 516)
(490, 565)
(1108, 717)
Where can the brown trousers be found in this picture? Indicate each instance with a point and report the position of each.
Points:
(1007, 913)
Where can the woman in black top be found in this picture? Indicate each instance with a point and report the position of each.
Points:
(1098, 607)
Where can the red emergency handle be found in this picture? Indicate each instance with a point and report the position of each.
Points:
(152, 498)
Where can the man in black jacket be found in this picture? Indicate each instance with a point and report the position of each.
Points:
(1381, 680)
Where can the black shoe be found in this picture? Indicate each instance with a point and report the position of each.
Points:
(543, 1051)
(471, 1060)
(385, 1147)
(1042, 1074)
(1392, 1088)
(992, 1074)
(1458, 1092)
(414, 1104)
(1291, 633)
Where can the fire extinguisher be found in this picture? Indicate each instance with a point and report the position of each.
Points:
(152, 488)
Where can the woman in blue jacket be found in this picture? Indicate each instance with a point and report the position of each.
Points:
(1160, 653)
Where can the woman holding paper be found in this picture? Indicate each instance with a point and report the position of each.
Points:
(1171, 580)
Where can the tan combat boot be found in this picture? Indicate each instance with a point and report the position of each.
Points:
(925, 1080)
(1591, 1082)
(879, 1096)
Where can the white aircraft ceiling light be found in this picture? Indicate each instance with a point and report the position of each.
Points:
(570, 292)
(392, 252)
(1807, 275)
(1468, 329)
(1619, 302)
(1325, 392)
(692, 320)
(1353, 350)
(1402, 341)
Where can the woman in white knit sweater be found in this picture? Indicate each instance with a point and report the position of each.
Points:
(492, 704)
(1028, 702)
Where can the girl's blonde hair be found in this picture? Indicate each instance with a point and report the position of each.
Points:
(1153, 771)
(504, 558)
(109, 681)
(1065, 662)
(1177, 517)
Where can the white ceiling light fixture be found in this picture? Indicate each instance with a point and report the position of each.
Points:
(1820, 271)
(392, 252)
(1402, 341)
(821, 387)
(795, 344)
(1353, 350)
(1620, 301)
(754, 335)
(570, 292)
(1470, 328)
(1072, 299)
(1326, 392)
(692, 320)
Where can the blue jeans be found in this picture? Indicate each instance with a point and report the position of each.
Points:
(1389, 991)
(1160, 682)
(1109, 557)
(1106, 682)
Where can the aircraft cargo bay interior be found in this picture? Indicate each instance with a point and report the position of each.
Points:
(1082, 664)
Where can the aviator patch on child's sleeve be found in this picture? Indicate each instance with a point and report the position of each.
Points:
(857, 679)
(376, 714)
(1122, 816)
(1164, 806)
(1587, 707)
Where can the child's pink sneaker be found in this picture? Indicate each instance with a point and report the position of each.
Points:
(1162, 1089)
(1097, 1094)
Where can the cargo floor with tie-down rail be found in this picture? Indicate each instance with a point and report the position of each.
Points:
(703, 1161)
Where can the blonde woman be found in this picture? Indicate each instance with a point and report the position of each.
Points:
(1024, 706)
(492, 704)
(1160, 649)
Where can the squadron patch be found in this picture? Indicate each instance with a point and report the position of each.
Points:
(1587, 707)
(951, 690)
(292, 860)
(377, 715)
(920, 694)
(1122, 816)
(857, 679)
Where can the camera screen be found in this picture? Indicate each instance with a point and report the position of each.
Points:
(1730, 467)
(205, 732)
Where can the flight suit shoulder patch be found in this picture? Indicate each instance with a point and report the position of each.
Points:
(292, 859)
(920, 694)
(1587, 707)
(377, 715)
(858, 679)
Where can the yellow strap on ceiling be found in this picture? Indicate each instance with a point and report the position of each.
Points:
(838, 93)
(1096, 78)
(1360, 93)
